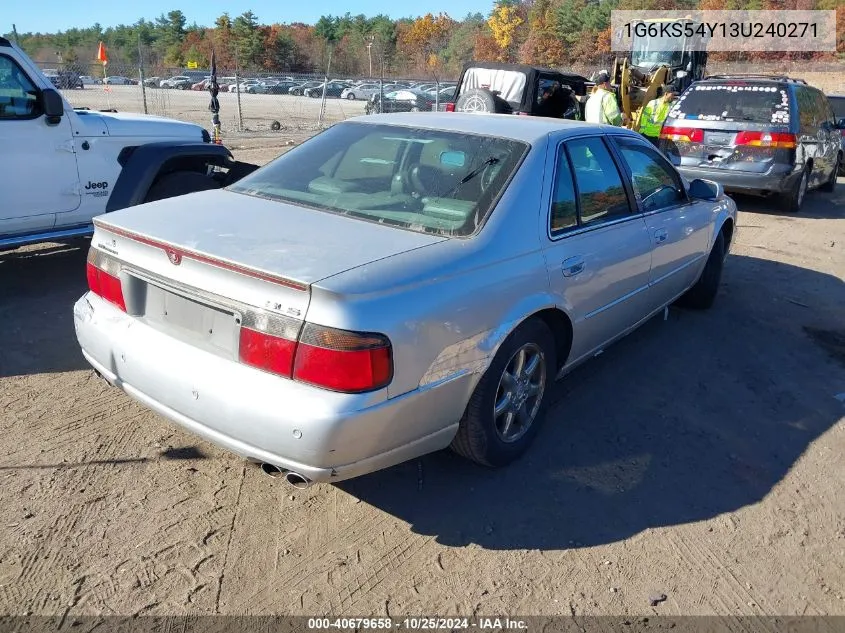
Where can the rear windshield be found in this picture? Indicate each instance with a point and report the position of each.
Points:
(429, 181)
(755, 103)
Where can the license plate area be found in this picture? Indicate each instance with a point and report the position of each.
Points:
(189, 319)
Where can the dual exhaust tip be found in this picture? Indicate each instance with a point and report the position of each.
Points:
(294, 479)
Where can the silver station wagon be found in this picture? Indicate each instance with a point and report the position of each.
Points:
(396, 285)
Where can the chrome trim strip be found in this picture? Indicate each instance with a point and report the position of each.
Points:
(616, 302)
(593, 227)
(653, 283)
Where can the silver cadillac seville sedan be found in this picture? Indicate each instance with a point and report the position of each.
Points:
(396, 285)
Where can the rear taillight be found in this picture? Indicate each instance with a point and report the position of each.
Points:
(687, 134)
(450, 107)
(103, 272)
(341, 360)
(774, 140)
(267, 352)
(334, 359)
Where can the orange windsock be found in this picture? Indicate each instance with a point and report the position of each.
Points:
(101, 54)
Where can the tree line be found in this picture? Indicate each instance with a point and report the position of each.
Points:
(554, 33)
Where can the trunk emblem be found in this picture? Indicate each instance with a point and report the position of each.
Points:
(174, 257)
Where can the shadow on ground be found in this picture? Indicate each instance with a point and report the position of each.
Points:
(684, 420)
(37, 291)
(817, 205)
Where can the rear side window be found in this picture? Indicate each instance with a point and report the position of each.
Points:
(734, 102)
(838, 105)
(809, 115)
(564, 208)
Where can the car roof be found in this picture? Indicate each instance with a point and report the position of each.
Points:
(523, 68)
(529, 129)
(754, 79)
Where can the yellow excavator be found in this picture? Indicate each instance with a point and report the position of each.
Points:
(656, 62)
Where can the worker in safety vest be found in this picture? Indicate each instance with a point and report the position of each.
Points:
(602, 106)
(655, 113)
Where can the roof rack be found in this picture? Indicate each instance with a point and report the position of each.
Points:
(757, 76)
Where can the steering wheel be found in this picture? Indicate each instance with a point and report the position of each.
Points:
(423, 180)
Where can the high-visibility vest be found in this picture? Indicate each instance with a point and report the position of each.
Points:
(602, 108)
(653, 116)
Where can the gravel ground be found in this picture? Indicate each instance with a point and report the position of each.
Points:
(699, 458)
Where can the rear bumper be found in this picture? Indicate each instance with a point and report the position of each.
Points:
(322, 435)
(779, 179)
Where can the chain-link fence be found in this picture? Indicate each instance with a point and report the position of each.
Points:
(250, 102)
(258, 104)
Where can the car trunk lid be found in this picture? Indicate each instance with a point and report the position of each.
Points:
(201, 266)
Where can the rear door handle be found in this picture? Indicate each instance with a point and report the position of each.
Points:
(660, 236)
(573, 266)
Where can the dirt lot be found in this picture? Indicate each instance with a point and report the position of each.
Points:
(701, 458)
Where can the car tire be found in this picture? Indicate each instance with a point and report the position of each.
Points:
(794, 199)
(703, 294)
(830, 185)
(480, 100)
(481, 433)
(179, 183)
(351, 96)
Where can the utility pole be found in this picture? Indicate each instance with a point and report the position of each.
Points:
(238, 89)
(15, 34)
(325, 87)
(141, 74)
(370, 41)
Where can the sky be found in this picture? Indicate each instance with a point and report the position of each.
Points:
(49, 16)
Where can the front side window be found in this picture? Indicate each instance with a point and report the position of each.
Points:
(18, 95)
(656, 184)
(424, 180)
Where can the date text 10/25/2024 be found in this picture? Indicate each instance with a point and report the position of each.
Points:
(417, 623)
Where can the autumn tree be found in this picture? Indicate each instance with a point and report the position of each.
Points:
(461, 46)
(504, 21)
(543, 46)
(426, 38)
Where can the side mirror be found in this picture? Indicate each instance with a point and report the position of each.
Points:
(706, 189)
(52, 104)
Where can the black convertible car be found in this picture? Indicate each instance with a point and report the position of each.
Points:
(401, 101)
(521, 89)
